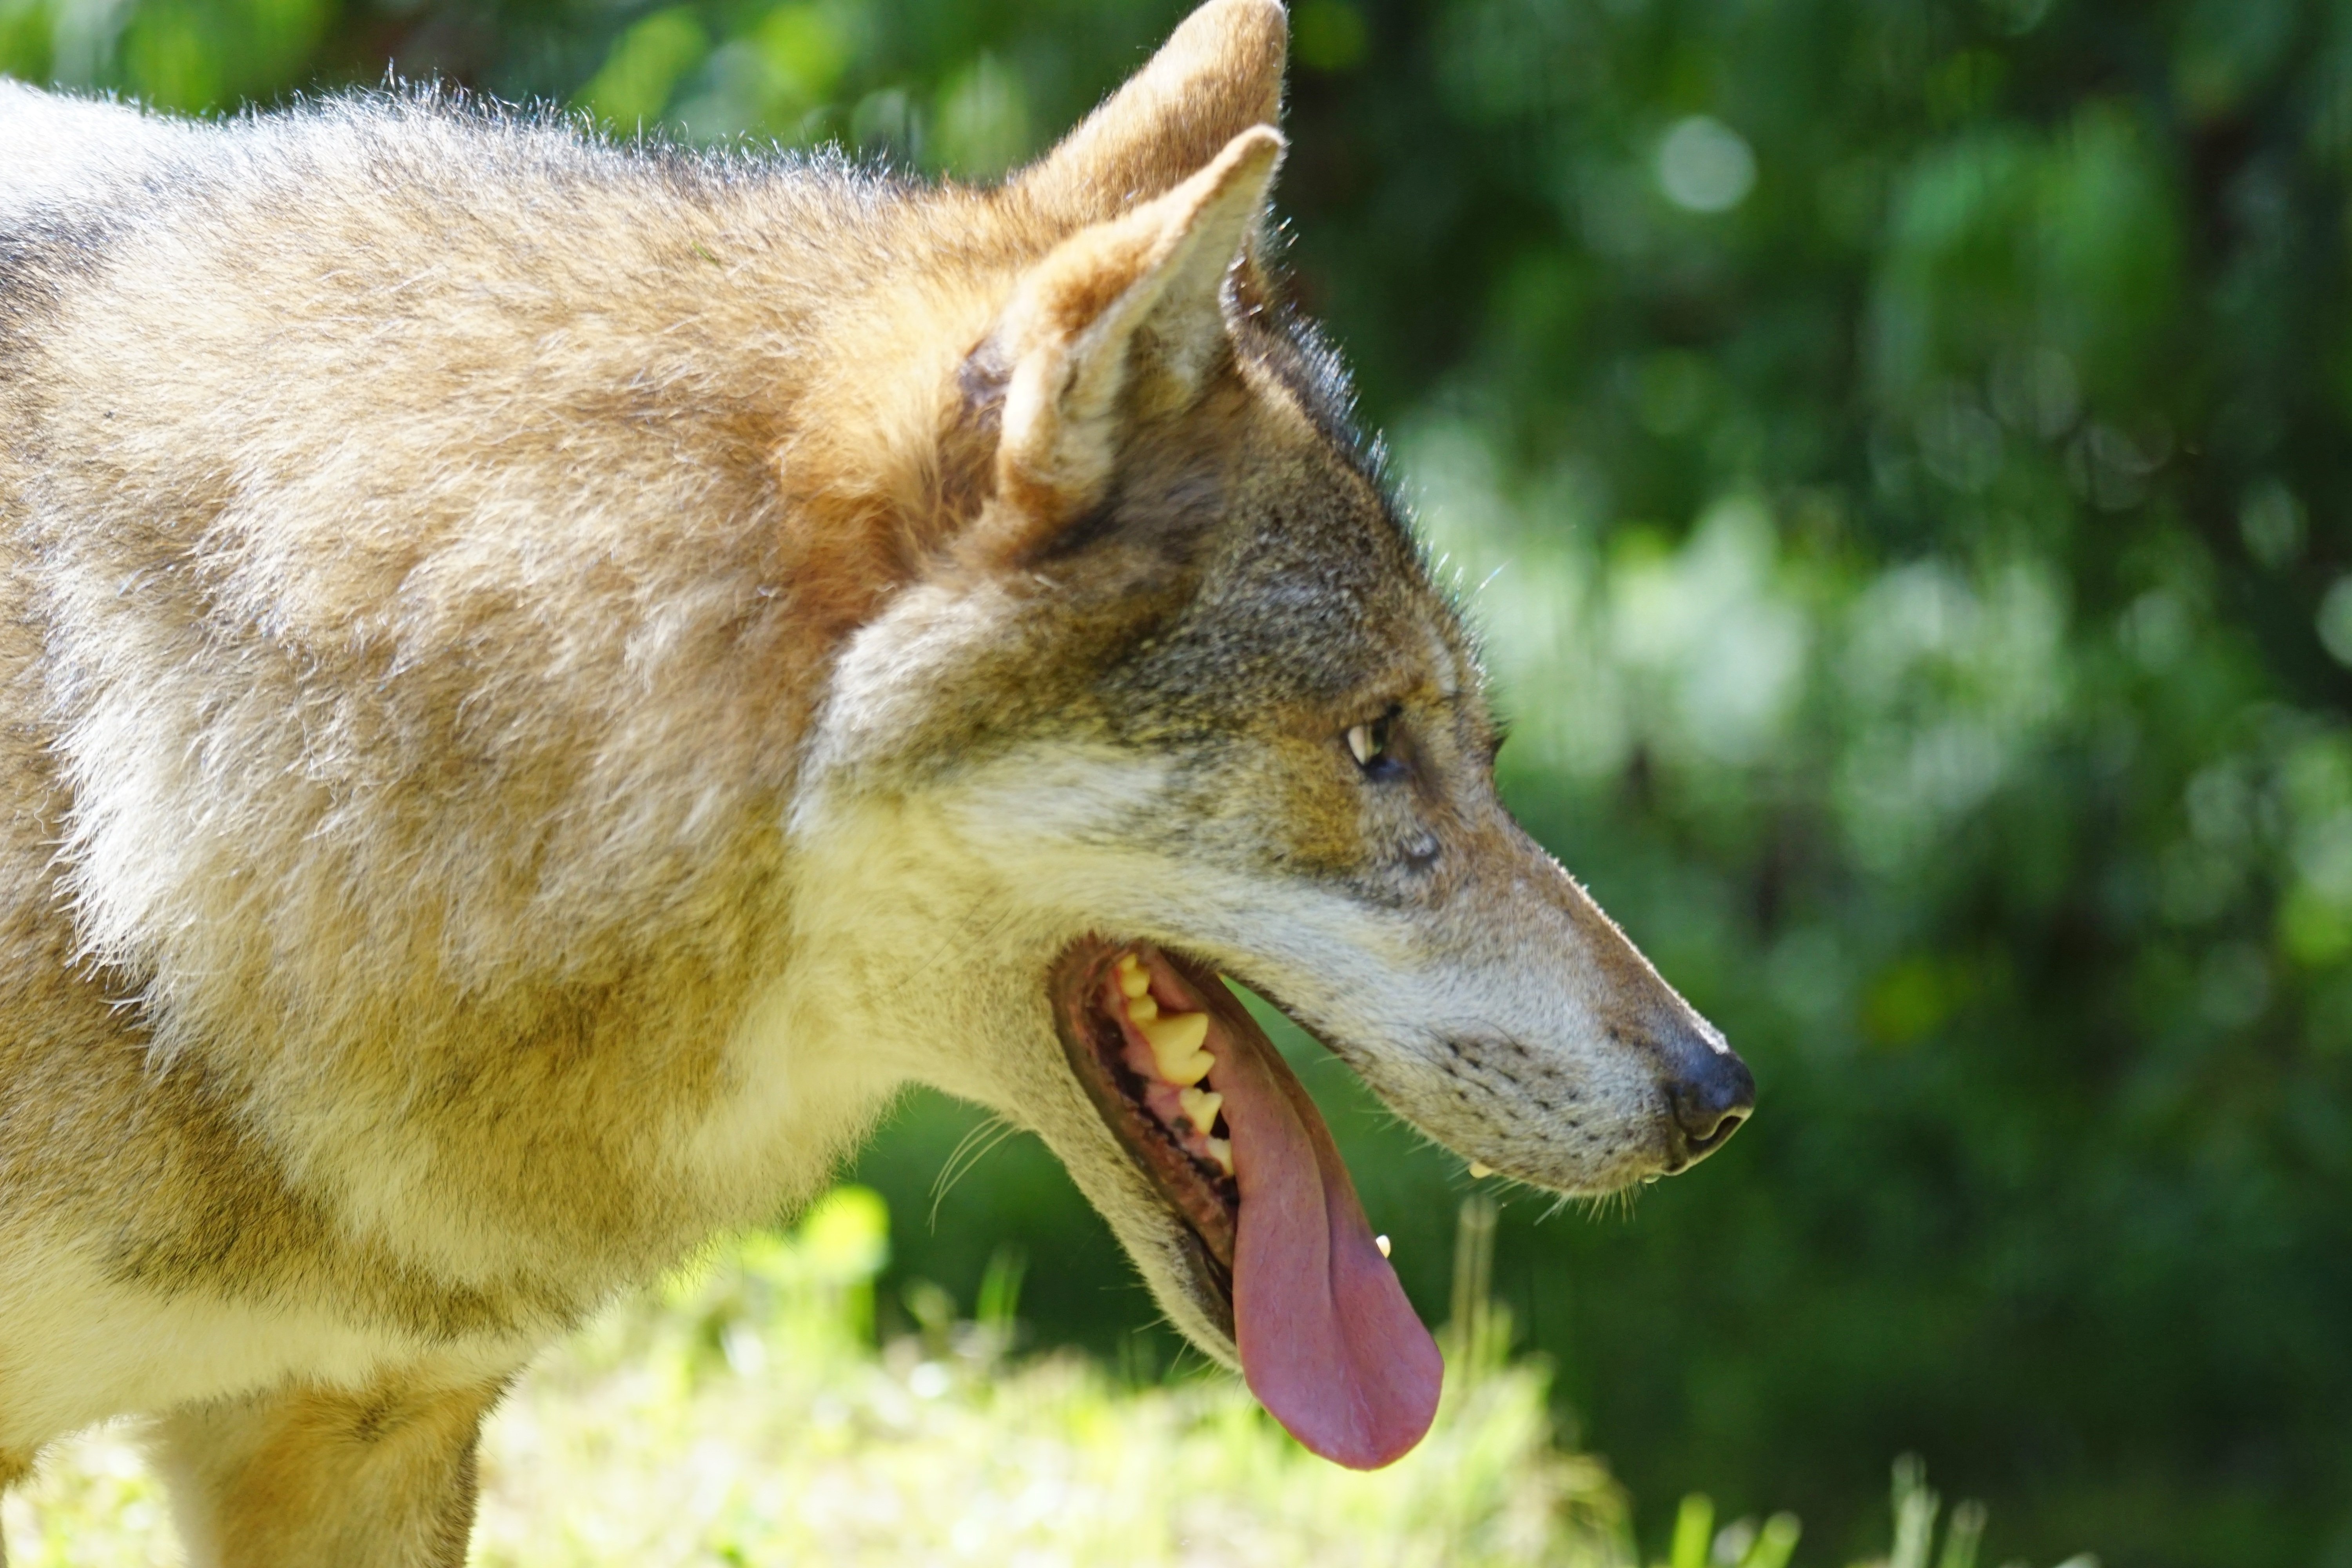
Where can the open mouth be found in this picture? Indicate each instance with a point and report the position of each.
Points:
(1282, 1258)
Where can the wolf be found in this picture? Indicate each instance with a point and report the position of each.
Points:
(542, 681)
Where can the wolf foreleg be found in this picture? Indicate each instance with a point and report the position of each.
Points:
(380, 1479)
(12, 1471)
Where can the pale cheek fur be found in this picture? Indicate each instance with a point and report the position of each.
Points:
(1505, 1055)
(929, 921)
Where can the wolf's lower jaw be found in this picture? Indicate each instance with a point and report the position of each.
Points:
(1281, 1259)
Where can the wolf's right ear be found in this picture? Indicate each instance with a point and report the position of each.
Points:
(1219, 74)
(1121, 323)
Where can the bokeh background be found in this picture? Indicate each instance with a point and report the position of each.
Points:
(1898, 452)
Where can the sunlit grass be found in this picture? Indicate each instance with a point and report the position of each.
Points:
(742, 1418)
(740, 1414)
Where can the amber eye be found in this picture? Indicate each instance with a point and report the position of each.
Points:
(1368, 745)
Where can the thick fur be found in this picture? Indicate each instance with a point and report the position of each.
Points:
(542, 682)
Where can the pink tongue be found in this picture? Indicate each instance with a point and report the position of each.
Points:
(1328, 1343)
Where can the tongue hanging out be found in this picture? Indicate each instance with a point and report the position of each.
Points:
(1328, 1343)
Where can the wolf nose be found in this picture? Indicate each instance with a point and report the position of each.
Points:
(1710, 1092)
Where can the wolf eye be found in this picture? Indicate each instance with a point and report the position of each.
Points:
(1368, 745)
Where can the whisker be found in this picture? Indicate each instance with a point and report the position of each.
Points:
(958, 932)
(974, 1146)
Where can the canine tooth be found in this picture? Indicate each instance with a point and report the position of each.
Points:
(1382, 1243)
(1221, 1149)
(1175, 1042)
(1141, 1010)
(1480, 1169)
(1200, 1105)
(1178, 1034)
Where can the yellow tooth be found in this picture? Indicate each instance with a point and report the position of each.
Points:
(1178, 1034)
(1221, 1149)
(1382, 1243)
(1480, 1169)
(1141, 1010)
(1134, 980)
(1175, 1042)
(1201, 1105)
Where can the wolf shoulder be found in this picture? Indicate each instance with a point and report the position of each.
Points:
(418, 143)
(64, 149)
(74, 159)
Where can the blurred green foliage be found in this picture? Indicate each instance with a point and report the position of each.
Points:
(1899, 452)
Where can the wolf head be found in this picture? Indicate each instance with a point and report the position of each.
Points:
(1178, 700)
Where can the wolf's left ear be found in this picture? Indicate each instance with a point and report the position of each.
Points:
(1218, 74)
(1121, 323)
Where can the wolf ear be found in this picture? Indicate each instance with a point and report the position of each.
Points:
(1219, 74)
(1123, 321)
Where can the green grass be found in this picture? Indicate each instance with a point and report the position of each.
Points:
(740, 1414)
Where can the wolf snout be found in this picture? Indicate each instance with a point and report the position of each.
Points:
(1710, 1092)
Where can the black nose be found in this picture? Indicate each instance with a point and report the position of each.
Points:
(1710, 1092)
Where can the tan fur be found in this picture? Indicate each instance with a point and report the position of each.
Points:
(540, 684)
(385, 1473)
(14, 1468)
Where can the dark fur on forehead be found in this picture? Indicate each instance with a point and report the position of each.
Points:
(1292, 580)
(1293, 349)
(1277, 335)
(1289, 345)
(1301, 583)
